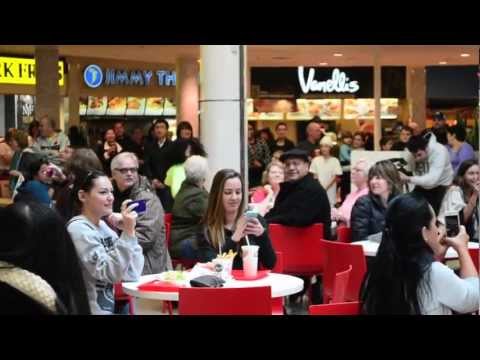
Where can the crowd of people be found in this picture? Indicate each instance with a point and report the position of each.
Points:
(84, 202)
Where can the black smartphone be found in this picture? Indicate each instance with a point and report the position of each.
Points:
(142, 206)
(452, 224)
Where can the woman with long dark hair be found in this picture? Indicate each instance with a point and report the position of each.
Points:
(106, 258)
(405, 277)
(39, 269)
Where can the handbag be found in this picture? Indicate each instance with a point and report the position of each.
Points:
(207, 281)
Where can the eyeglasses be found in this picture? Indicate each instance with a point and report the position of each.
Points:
(124, 171)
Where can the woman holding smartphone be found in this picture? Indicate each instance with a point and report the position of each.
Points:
(225, 226)
(405, 277)
(106, 258)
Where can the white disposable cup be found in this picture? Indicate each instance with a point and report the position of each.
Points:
(226, 267)
(250, 260)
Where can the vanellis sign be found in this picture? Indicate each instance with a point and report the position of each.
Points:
(94, 76)
(339, 83)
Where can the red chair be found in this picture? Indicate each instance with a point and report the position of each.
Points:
(338, 257)
(225, 301)
(340, 286)
(120, 296)
(350, 308)
(168, 225)
(186, 263)
(344, 234)
(168, 217)
(474, 253)
(300, 247)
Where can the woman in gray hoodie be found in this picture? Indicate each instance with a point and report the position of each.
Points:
(106, 258)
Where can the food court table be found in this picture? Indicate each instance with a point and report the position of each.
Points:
(370, 248)
(281, 285)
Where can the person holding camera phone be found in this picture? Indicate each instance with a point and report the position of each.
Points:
(39, 177)
(432, 170)
(226, 225)
(406, 277)
(106, 258)
(150, 225)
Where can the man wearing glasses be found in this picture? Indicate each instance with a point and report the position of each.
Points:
(150, 227)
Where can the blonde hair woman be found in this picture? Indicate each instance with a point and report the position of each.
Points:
(225, 226)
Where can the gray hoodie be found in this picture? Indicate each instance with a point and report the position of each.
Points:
(436, 170)
(106, 259)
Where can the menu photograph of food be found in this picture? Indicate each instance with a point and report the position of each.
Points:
(83, 105)
(359, 109)
(117, 105)
(136, 106)
(169, 108)
(271, 109)
(389, 108)
(326, 109)
(97, 105)
(154, 106)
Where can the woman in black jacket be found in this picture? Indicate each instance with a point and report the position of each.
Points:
(225, 226)
(368, 213)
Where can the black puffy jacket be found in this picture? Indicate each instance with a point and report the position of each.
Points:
(301, 203)
(368, 216)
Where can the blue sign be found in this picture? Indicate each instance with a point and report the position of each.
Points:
(93, 76)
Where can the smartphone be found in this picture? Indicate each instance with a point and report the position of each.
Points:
(250, 214)
(50, 172)
(452, 224)
(141, 207)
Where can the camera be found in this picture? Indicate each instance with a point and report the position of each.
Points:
(400, 164)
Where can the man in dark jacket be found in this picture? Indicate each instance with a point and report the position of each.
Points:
(150, 227)
(123, 139)
(302, 201)
(156, 162)
(314, 134)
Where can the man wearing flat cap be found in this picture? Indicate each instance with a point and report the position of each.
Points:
(302, 201)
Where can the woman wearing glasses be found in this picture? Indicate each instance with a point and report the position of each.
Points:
(106, 258)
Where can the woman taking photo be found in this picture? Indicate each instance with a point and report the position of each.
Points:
(106, 258)
(225, 226)
(405, 278)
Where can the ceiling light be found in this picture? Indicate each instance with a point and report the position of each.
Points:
(442, 63)
(323, 64)
(465, 55)
(338, 54)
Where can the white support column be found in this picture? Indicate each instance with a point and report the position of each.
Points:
(222, 102)
(377, 91)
